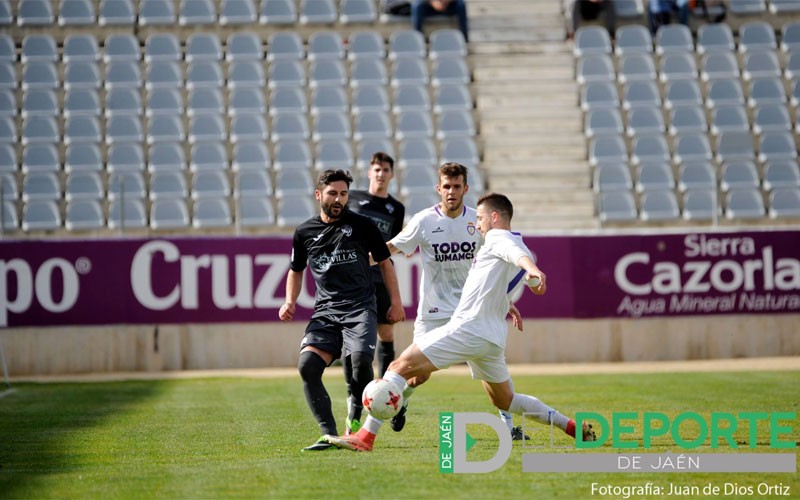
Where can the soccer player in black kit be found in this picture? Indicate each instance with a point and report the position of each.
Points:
(337, 245)
(387, 213)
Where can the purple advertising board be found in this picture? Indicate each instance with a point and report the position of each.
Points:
(213, 280)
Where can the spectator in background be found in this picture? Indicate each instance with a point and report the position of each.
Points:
(575, 10)
(423, 9)
(660, 13)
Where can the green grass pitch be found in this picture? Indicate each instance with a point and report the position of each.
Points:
(241, 438)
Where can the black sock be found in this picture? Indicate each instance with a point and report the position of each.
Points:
(362, 375)
(311, 366)
(385, 356)
(347, 363)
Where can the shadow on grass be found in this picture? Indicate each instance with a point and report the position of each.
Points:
(55, 428)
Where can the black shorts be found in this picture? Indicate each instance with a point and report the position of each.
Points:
(351, 332)
(384, 302)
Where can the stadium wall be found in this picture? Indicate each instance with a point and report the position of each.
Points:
(71, 306)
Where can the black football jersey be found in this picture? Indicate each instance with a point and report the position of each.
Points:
(386, 213)
(338, 255)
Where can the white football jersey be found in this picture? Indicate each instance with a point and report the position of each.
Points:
(494, 275)
(448, 247)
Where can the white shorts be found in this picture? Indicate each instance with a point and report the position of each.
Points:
(447, 345)
(423, 326)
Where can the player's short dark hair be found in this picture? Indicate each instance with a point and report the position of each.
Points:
(452, 169)
(496, 202)
(380, 158)
(329, 176)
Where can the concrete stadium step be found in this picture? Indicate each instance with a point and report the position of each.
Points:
(540, 182)
(510, 73)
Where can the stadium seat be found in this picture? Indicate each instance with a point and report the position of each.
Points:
(116, 13)
(659, 205)
(253, 183)
(603, 121)
(715, 37)
(687, 120)
(40, 129)
(450, 70)
(406, 43)
(655, 176)
(599, 95)
(756, 35)
(165, 129)
(157, 13)
(286, 73)
(81, 102)
(278, 12)
(255, 212)
(591, 41)
(649, 148)
(82, 128)
(763, 91)
(124, 128)
(6, 13)
(121, 47)
(747, 7)
(739, 174)
(84, 215)
(162, 47)
(641, 94)
(331, 99)
(40, 158)
(761, 64)
(331, 125)
(357, 11)
(372, 125)
(790, 37)
(205, 127)
(779, 7)
(211, 212)
(41, 185)
(35, 13)
(289, 127)
(81, 75)
(162, 101)
(677, 66)
(210, 184)
(292, 155)
(123, 101)
(744, 204)
(167, 185)
(418, 178)
(8, 75)
(415, 202)
(125, 157)
(454, 123)
(365, 45)
(8, 48)
(127, 214)
(250, 156)
(633, 38)
(776, 146)
(333, 154)
(327, 73)
(169, 214)
(8, 103)
(318, 12)
(294, 212)
(644, 121)
(692, 147)
(249, 127)
(8, 130)
(409, 71)
(617, 206)
(325, 45)
(40, 75)
(243, 46)
(410, 97)
(197, 12)
(461, 150)
(38, 102)
(288, 100)
(636, 66)
(595, 68)
(203, 47)
(781, 174)
(76, 13)
(719, 64)
(771, 118)
(611, 177)
(163, 74)
(697, 175)
(415, 124)
(207, 100)
(41, 215)
(784, 202)
(83, 157)
(368, 71)
(39, 48)
(285, 45)
(724, 93)
(292, 184)
(127, 185)
(166, 157)
(246, 100)
(81, 48)
(446, 43)
(451, 97)
(607, 149)
(729, 119)
(700, 205)
(417, 151)
(237, 12)
(674, 38)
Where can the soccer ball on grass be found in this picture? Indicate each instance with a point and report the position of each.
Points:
(382, 399)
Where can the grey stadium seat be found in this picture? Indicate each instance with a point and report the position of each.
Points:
(156, 13)
(761, 64)
(243, 46)
(372, 125)
(447, 43)
(461, 150)
(165, 129)
(41, 185)
(317, 12)
(744, 204)
(784, 202)
(325, 45)
(121, 47)
(81, 47)
(724, 92)
(292, 155)
(649, 148)
(76, 13)
(368, 71)
(164, 101)
(255, 212)
(166, 185)
(603, 121)
(40, 75)
(286, 73)
(211, 212)
(333, 154)
(116, 13)
(253, 183)
(673, 38)
(633, 38)
(331, 125)
(645, 121)
(450, 70)
(636, 66)
(365, 45)
(357, 11)
(207, 100)
(203, 47)
(641, 93)
(734, 146)
(455, 123)
(162, 47)
(125, 157)
(414, 124)
(617, 206)
(659, 206)
(591, 40)
(278, 12)
(776, 146)
(204, 127)
(127, 213)
(35, 13)
(729, 119)
(246, 100)
(417, 151)
(739, 175)
(81, 75)
(41, 215)
(692, 147)
(655, 176)
(122, 74)
(81, 102)
(763, 91)
(38, 102)
(166, 157)
(287, 100)
(84, 215)
(82, 128)
(38, 48)
(293, 183)
(210, 184)
(781, 174)
(451, 97)
(771, 118)
(406, 43)
(330, 99)
(237, 12)
(250, 127)
(719, 64)
(246, 74)
(327, 72)
(294, 212)
(251, 156)
(595, 68)
(714, 37)
(687, 119)
(411, 97)
(289, 126)
(169, 214)
(163, 74)
(123, 128)
(285, 45)
(40, 158)
(40, 129)
(612, 177)
(697, 175)
(409, 70)
(756, 35)
(83, 157)
(197, 12)
(607, 149)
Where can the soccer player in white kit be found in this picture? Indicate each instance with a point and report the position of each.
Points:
(448, 239)
(476, 334)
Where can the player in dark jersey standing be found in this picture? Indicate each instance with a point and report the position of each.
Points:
(337, 244)
(387, 213)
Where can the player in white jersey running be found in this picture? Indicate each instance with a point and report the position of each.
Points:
(476, 334)
(448, 239)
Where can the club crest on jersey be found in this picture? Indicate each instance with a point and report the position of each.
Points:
(470, 228)
(390, 208)
(347, 230)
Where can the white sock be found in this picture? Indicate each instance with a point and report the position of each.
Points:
(408, 391)
(395, 378)
(507, 416)
(372, 425)
(532, 407)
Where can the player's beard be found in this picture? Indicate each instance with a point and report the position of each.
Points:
(453, 204)
(328, 209)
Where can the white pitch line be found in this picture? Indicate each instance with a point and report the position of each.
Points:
(7, 392)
